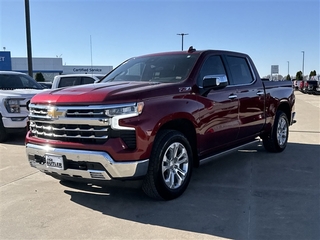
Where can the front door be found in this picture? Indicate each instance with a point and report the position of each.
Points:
(219, 117)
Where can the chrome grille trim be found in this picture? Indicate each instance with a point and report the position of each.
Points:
(64, 123)
(37, 133)
(58, 131)
(87, 121)
(84, 114)
(84, 107)
(39, 112)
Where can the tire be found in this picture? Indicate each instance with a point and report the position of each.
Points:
(170, 166)
(277, 140)
(3, 132)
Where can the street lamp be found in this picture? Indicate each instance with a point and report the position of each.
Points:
(28, 33)
(302, 63)
(182, 35)
(288, 66)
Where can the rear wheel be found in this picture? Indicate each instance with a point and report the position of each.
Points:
(170, 166)
(277, 140)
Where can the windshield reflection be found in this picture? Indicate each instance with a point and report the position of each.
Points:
(161, 68)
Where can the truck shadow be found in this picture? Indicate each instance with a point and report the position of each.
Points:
(250, 194)
(16, 139)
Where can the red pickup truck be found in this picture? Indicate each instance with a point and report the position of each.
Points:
(157, 116)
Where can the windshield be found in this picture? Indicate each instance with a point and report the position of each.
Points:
(100, 77)
(162, 68)
(17, 81)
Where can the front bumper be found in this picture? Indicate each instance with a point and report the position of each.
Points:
(15, 122)
(83, 164)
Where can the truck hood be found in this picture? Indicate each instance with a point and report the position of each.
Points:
(19, 93)
(96, 93)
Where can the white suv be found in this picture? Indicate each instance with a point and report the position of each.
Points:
(16, 90)
(75, 79)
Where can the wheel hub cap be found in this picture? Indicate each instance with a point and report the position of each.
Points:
(282, 131)
(175, 164)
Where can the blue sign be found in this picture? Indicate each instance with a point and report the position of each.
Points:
(5, 61)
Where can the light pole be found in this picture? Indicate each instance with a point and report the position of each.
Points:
(182, 35)
(302, 63)
(288, 66)
(28, 33)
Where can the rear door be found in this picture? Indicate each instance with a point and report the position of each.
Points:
(250, 93)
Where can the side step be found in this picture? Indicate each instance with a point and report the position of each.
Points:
(227, 152)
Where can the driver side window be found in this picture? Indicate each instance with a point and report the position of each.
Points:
(212, 66)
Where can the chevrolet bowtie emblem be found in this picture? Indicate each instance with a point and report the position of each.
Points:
(54, 113)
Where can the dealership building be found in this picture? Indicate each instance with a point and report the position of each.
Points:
(49, 67)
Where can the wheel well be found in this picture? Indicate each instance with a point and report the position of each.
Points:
(284, 107)
(187, 129)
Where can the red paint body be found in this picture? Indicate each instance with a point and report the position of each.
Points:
(213, 122)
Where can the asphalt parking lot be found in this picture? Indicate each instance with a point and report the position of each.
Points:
(249, 194)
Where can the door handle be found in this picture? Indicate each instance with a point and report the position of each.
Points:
(232, 96)
(260, 93)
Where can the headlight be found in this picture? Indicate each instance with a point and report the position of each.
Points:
(122, 112)
(131, 110)
(12, 105)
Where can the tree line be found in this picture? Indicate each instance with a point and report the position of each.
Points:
(299, 76)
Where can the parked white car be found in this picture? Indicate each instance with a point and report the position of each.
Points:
(16, 90)
(75, 79)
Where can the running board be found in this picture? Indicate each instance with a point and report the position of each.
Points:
(221, 154)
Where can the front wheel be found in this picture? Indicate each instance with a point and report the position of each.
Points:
(277, 140)
(170, 166)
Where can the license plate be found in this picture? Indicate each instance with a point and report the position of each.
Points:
(54, 161)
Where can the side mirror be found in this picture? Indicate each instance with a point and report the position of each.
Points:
(210, 82)
(215, 81)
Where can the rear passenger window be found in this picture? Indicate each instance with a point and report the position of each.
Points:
(87, 80)
(240, 70)
(69, 81)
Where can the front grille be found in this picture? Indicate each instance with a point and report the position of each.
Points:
(38, 111)
(76, 113)
(70, 132)
(78, 124)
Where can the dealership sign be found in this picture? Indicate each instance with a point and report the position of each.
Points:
(86, 69)
(5, 61)
(274, 69)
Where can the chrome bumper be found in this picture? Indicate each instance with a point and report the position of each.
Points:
(111, 169)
